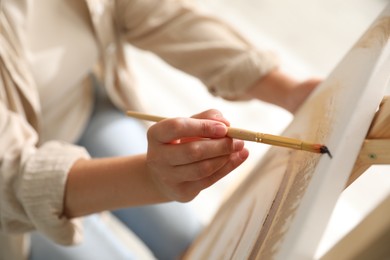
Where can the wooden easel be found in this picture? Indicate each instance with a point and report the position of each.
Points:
(371, 237)
(376, 147)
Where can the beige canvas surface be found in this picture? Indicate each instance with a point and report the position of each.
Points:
(281, 210)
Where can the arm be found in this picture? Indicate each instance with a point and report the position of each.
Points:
(196, 43)
(282, 90)
(32, 175)
(185, 156)
(211, 50)
(95, 185)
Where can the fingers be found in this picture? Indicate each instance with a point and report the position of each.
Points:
(212, 114)
(173, 129)
(191, 169)
(208, 124)
(235, 160)
(200, 150)
(190, 189)
(186, 155)
(184, 182)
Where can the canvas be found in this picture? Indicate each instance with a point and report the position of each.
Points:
(281, 209)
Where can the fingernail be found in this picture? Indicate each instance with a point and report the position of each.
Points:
(220, 130)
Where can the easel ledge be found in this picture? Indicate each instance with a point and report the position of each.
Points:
(376, 147)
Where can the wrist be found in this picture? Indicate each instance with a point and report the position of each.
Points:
(156, 188)
(274, 88)
(96, 185)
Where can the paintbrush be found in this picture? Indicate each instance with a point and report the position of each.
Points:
(247, 135)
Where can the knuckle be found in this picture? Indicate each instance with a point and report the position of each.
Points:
(214, 111)
(228, 145)
(204, 128)
(176, 127)
(205, 168)
(195, 152)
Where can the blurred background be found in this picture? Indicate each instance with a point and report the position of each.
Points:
(310, 36)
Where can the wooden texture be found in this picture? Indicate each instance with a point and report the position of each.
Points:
(281, 209)
(376, 148)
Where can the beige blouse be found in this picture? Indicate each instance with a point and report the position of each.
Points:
(36, 134)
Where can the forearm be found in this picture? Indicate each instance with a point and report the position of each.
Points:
(184, 156)
(110, 183)
(281, 89)
(273, 88)
(197, 43)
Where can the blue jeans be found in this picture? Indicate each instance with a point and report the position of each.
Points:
(167, 229)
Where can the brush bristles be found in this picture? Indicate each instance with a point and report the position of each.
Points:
(325, 149)
(316, 148)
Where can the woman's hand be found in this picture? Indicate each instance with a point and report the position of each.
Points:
(280, 89)
(187, 155)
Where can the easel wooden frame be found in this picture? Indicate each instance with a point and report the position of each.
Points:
(281, 209)
(370, 238)
(376, 148)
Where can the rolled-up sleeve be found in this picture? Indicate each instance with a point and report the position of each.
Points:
(33, 179)
(195, 43)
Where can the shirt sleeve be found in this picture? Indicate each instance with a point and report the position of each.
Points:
(194, 42)
(32, 181)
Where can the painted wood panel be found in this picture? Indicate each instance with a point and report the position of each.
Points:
(281, 210)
